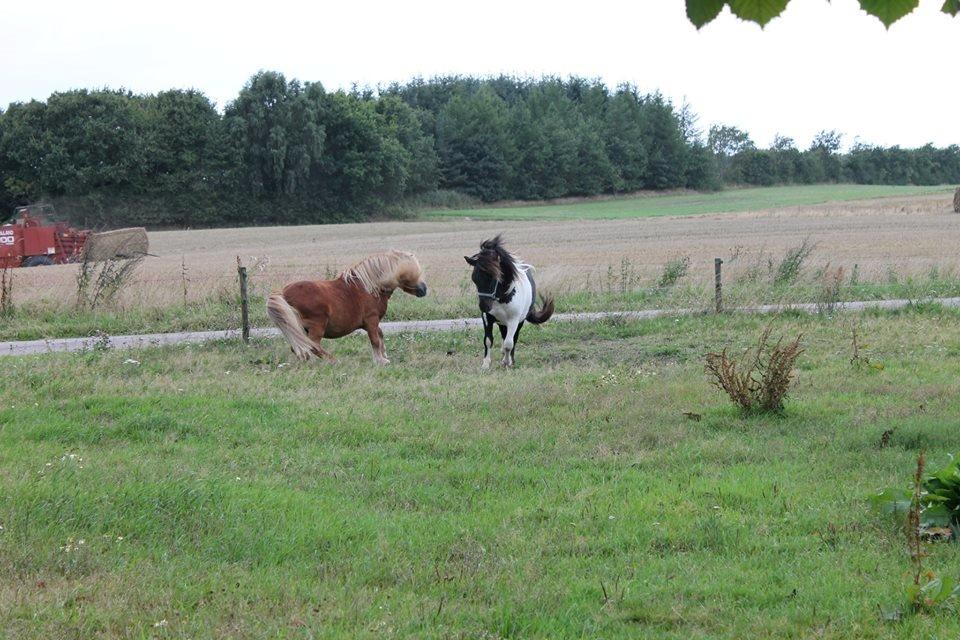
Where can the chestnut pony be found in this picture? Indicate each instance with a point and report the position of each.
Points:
(310, 310)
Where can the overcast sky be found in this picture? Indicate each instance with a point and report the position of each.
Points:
(820, 65)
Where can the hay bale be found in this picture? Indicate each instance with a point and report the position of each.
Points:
(956, 200)
(119, 243)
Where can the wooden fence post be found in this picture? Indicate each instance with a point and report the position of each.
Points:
(244, 301)
(718, 284)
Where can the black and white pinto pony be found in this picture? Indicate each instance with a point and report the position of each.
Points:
(506, 292)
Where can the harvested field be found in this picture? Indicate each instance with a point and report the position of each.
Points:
(902, 235)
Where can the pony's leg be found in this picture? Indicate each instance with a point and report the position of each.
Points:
(315, 330)
(376, 341)
(487, 340)
(383, 345)
(513, 349)
(323, 354)
(509, 332)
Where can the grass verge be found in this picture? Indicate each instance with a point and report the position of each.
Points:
(221, 492)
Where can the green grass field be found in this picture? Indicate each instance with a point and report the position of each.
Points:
(751, 199)
(217, 491)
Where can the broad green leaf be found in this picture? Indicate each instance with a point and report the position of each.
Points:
(952, 7)
(891, 615)
(947, 585)
(892, 500)
(913, 592)
(759, 11)
(700, 12)
(936, 515)
(889, 11)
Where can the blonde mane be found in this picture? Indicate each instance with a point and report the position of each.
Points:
(381, 271)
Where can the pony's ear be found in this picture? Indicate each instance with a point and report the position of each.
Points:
(471, 260)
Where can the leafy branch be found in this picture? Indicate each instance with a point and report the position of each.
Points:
(702, 12)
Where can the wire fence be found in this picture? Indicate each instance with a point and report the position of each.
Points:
(622, 280)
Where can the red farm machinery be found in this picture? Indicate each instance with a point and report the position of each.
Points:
(32, 239)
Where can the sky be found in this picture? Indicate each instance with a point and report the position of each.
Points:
(818, 66)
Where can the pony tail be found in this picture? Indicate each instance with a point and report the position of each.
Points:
(290, 323)
(546, 310)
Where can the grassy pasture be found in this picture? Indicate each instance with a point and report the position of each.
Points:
(220, 492)
(684, 204)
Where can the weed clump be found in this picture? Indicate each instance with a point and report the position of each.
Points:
(792, 264)
(831, 285)
(6, 291)
(100, 280)
(932, 507)
(759, 381)
(673, 271)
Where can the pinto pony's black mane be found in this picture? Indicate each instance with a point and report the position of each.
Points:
(495, 260)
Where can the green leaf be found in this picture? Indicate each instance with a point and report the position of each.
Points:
(759, 11)
(892, 500)
(947, 584)
(700, 12)
(889, 11)
(952, 7)
(913, 592)
(891, 615)
(936, 515)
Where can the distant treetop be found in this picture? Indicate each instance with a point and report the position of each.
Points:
(701, 12)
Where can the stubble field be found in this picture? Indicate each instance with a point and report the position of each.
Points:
(895, 246)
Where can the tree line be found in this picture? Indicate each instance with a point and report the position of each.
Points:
(290, 152)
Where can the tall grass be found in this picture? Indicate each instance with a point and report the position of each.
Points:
(750, 280)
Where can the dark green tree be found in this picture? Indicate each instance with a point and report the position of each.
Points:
(667, 148)
(825, 152)
(474, 145)
(410, 127)
(725, 142)
(186, 163)
(623, 133)
(364, 167)
(275, 130)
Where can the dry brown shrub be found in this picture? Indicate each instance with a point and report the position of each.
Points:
(759, 381)
(831, 284)
(956, 200)
(6, 290)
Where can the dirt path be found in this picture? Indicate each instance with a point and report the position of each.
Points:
(29, 347)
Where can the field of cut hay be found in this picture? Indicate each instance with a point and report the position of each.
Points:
(907, 235)
(884, 240)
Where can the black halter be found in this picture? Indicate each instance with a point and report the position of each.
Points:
(492, 294)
